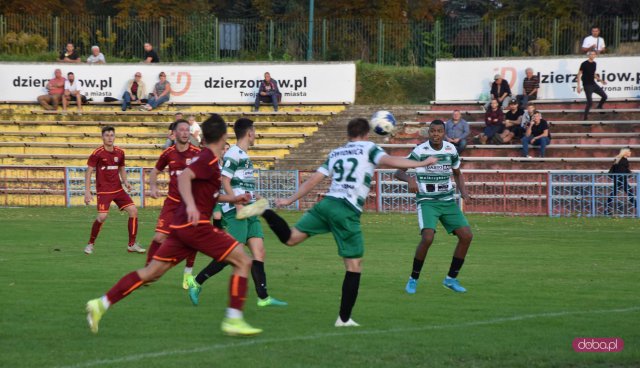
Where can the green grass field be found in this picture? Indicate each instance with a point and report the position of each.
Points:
(534, 285)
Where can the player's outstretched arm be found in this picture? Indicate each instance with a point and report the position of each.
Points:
(401, 174)
(304, 189)
(87, 185)
(404, 163)
(184, 187)
(457, 176)
(153, 183)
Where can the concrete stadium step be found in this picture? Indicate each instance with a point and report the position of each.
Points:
(550, 114)
(521, 163)
(411, 128)
(614, 103)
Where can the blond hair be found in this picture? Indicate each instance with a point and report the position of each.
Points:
(623, 152)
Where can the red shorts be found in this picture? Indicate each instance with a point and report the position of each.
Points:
(121, 198)
(166, 215)
(187, 240)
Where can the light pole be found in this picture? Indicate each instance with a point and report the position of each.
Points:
(310, 41)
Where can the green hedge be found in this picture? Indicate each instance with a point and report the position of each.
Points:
(398, 85)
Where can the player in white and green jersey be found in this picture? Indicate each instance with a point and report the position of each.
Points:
(435, 202)
(351, 169)
(238, 177)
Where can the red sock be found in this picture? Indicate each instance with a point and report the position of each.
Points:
(237, 292)
(153, 248)
(133, 230)
(124, 287)
(95, 229)
(191, 259)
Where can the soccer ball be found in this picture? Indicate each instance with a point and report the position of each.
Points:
(383, 122)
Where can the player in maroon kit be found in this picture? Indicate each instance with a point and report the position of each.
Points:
(191, 231)
(108, 163)
(177, 157)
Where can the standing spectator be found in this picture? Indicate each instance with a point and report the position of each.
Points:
(194, 131)
(457, 131)
(55, 88)
(500, 91)
(136, 90)
(72, 93)
(621, 182)
(537, 134)
(588, 75)
(268, 92)
(530, 87)
(96, 56)
(69, 55)
(494, 124)
(594, 42)
(512, 123)
(171, 135)
(161, 93)
(150, 55)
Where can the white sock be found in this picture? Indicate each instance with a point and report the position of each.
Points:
(188, 270)
(450, 278)
(233, 313)
(105, 302)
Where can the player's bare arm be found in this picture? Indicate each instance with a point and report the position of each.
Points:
(457, 176)
(88, 197)
(401, 174)
(123, 176)
(153, 184)
(226, 185)
(304, 189)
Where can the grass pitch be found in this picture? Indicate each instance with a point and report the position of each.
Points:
(534, 285)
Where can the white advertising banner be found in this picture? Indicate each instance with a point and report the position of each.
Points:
(463, 80)
(215, 83)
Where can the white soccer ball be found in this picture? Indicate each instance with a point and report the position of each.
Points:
(383, 122)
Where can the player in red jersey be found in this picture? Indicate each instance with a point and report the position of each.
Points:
(108, 163)
(199, 186)
(177, 157)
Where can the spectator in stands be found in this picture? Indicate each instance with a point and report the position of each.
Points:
(161, 93)
(528, 115)
(512, 123)
(594, 42)
(537, 134)
(150, 55)
(171, 135)
(268, 92)
(494, 124)
(55, 88)
(530, 86)
(500, 91)
(621, 182)
(195, 131)
(457, 131)
(72, 93)
(69, 55)
(587, 74)
(136, 90)
(96, 56)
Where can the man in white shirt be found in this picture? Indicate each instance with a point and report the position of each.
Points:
(96, 56)
(72, 93)
(594, 42)
(195, 130)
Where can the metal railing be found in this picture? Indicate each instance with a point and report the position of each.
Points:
(207, 38)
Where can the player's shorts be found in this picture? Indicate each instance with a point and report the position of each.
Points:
(242, 230)
(338, 217)
(447, 212)
(166, 215)
(186, 240)
(121, 198)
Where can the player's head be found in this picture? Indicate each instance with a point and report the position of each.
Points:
(214, 129)
(244, 129)
(108, 135)
(226, 148)
(436, 131)
(358, 128)
(181, 131)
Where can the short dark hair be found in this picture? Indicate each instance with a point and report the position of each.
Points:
(108, 128)
(70, 73)
(174, 125)
(213, 128)
(437, 122)
(595, 26)
(535, 112)
(242, 126)
(358, 127)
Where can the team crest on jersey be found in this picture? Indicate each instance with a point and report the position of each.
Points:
(115, 159)
(193, 160)
(227, 164)
(189, 161)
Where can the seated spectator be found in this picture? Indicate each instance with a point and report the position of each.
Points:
(55, 86)
(161, 93)
(150, 55)
(500, 91)
(136, 90)
(195, 131)
(72, 93)
(512, 123)
(456, 131)
(537, 134)
(268, 92)
(96, 56)
(528, 115)
(621, 182)
(594, 42)
(530, 87)
(69, 55)
(494, 124)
